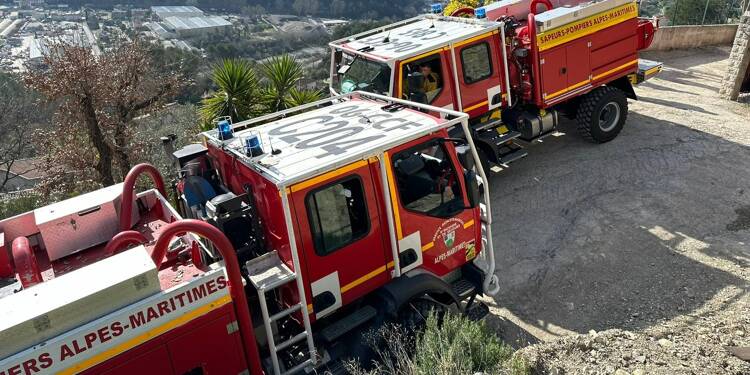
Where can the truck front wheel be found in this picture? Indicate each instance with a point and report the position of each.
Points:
(602, 114)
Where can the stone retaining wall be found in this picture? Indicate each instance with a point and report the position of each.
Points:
(739, 61)
(686, 37)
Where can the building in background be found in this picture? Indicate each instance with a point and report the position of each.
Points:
(186, 27)
(23, 175)
(164, 12)
(28, 3)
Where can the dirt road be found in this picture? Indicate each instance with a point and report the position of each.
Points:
(649, 233)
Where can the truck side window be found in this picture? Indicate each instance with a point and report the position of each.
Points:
(427, 181)
(431, 68)
(338, 215)
(476, 62)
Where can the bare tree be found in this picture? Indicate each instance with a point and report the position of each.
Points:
(97, 99)
(18, 119)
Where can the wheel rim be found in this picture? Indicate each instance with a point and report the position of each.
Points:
(609, 116)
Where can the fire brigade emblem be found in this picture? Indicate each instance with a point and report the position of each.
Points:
(449, 238)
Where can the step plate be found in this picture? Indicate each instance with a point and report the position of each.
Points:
(348, 323)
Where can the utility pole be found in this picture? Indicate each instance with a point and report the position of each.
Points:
(705, 11)
(674, 14)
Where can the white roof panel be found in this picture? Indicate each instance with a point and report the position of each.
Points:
(320, 140)
(175, 9)
(411, 37)
(191, 23)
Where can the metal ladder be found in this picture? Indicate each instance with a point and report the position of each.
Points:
(267, 272)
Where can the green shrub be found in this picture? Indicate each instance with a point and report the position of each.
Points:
(17, 206)
(454, 346)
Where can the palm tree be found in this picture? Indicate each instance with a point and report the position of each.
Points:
(241, 95)
(237, 93)
(281, 74)
(299, 97)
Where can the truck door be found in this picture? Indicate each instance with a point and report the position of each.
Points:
(340, 236)
(479, 69)
(434, 227)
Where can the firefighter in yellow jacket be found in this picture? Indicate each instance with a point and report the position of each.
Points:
(431, 79)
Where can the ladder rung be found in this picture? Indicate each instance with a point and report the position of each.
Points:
(291, 341)
(286, 312)
(279, 282)
(300, 366)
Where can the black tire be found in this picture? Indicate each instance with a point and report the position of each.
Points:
(602, 114)
(413, 315)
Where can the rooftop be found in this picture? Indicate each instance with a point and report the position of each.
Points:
(175, 9)
(30, 169)
(191, 23)
(414, 36)
(326, 138)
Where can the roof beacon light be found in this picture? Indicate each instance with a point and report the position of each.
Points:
(253, 147)
(481, 13)
(437, 8)
(225, 130)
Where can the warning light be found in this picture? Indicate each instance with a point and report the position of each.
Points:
(481, 13)
(253, 147)
(437, 8)
(225, 130)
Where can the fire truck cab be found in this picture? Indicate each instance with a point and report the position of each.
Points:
(512, 66)
(318, 223)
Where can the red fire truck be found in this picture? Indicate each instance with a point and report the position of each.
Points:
(513, 67)
(317, 224)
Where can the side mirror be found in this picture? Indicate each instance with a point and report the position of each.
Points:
(473, 192)
(465, 157)
(343, 69)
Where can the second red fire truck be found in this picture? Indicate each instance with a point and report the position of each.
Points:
(514, 66)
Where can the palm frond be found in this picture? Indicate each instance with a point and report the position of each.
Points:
(236, 95)
(299, 97)
(281, 74)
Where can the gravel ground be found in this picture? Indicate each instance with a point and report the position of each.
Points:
(645, 239)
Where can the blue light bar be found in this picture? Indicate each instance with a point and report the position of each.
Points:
(225, 130)
(481, 13)
(437, 8)
(252, 146)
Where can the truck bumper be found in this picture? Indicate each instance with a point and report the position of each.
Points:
(646, 70)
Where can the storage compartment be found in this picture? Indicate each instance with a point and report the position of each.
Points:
(46, 310)
(82, 222)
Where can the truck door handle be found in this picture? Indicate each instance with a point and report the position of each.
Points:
(323, 301)
(563, 70)
(407, 257)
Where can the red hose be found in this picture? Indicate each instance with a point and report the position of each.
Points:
(122, 239)
(25, 261)
(523, 33)
(126, 211)
(534, 4)
(236, 290)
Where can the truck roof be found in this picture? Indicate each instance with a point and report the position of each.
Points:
(306, 141)
(413, 36)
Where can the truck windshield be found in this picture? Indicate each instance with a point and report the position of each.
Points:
(363, 75)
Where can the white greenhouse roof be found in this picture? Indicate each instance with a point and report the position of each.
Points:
(192, 23)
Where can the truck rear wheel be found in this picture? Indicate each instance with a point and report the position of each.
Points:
(602, 114)
(413, 315)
